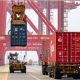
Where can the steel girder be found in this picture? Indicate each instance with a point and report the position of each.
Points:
(49, 5)
(42, 16)
(34, 43)
(2, 17)
(60, 15)
(32, 25)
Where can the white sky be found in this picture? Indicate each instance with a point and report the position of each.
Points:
(73, 25)
(74, 20)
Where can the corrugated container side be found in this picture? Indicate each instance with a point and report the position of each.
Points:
(68, 47)
(75, 48)
(18, 35)
(62, 47)
(64, 57)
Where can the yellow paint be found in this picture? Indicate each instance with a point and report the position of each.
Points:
(4, 73)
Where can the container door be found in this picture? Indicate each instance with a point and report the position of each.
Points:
(68, 47)
(75, 48)
(65, 48)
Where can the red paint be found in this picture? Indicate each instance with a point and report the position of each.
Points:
(2, 17)
(60, 15)
(38, 11)
(34, 42)
(2, 52)
(66, 47)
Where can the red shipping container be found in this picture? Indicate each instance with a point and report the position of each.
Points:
(65, 47)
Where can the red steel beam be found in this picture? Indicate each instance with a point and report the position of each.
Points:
(32, 25)
(2, 50)
(29, 48)
(2, 28)
(2, 17)
(48, 14)
(40, 22)
(71, 5)
(40, 25)
(60, 15)
(5, 43)
(42, 16)
(34, 40)
(53, 4)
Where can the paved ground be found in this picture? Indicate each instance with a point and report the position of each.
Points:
(33, 73)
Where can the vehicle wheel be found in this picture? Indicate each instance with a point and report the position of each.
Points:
(43, 72)
(57, 74)
(11, 69)
(46, 73)
(23, 70)
(76, 76)
(50, 75)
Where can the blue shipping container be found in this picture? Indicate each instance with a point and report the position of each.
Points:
(18, 34)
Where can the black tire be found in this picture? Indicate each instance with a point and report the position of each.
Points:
(43, 72)
(23, 70)
(46, 73)
(50, 75)
(57, 74)
(11, 69)
(76, 76)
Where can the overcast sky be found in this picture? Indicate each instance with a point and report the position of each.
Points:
(74, 20)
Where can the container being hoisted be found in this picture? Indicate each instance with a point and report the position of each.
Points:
(64, 55)
(18, 26)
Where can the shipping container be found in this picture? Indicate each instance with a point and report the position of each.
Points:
(64, 56)
(65, 47)
(68, 48)
(18, 34)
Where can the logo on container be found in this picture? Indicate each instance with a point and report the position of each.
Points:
(60, 39)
